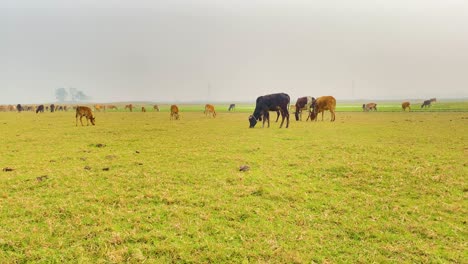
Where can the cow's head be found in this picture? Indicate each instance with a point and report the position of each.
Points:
(252, 121)
(313, 115)
(93, 119)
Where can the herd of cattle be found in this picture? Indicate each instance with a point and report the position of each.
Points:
(279, 103)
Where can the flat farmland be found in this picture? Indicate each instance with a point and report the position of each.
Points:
(382, 186)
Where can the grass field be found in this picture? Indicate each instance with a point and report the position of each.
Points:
(137, 187)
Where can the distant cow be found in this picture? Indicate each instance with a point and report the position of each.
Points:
(112, 107)
(52, 108)
(130, 107)
(405, 105)
(271, 102)
(86, 112)
(320, 105)
(368, 107)
(174, 112)
(40, 109)
(210, 110)
(232, 107)
(19, 108)
(143, 109)
(426, 103)
(302, 103)
(156, 108)
(100, 107)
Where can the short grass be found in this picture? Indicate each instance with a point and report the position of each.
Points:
(370, 187)
(350, 106)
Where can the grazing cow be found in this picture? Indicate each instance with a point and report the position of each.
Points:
(100, 107)
(130, 107)
(426, 103)
(232, 107)
(3, 108)
(320, 105)
(84, 111)
(47, 108)
(272, 102)
(210, 110)
(40, 109)
(405, 105)
(52, 108)
(143, 109)
(302, 103)
(11, 108)
(19, 108)
(368, 107)
(156, 108)
(112, 107)
(277, 115)
(174, 112)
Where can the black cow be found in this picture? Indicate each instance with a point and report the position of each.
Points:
(271, 102)
(40, 109)
(52, 108)
(231, 107)
(426, 103)
(19, 108)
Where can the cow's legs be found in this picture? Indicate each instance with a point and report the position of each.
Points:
(76, 117)
(277, 115)
(81, 120)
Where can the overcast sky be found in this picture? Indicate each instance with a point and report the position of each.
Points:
(236, 50)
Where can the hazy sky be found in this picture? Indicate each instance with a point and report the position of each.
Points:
(215, 50)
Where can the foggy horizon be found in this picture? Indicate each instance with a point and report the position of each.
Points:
(233, 51)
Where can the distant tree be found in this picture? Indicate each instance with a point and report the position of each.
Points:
(80, 96)
(61, 94)
(73, 92)
(77, 95)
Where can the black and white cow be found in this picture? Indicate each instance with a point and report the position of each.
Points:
(303, 103)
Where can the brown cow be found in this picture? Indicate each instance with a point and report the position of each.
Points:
(143, 109)
(156, 108)
(174, 112)
(369, 106)
(405, 105)
(129, 106)
(209, 110)
(112, 107)
(320, 105)
(100, 107)
(84, 111)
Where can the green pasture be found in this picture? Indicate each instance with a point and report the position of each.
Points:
(384, 187)
(346, 106)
